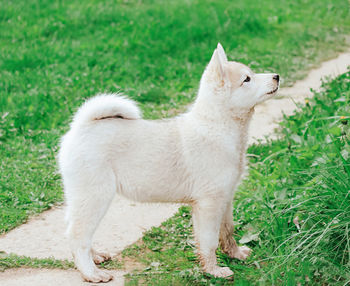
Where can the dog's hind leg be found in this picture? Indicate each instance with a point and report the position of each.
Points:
(87, 204)
(207, 216)
(227, 242)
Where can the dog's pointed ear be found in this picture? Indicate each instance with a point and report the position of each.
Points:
(222, 55)
(216, 65)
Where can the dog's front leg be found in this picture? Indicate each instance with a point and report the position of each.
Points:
(207, 216)
(227, 242)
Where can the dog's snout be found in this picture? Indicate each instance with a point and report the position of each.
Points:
(276, 77)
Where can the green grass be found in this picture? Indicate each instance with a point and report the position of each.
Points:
(29, 181)
(15, 261)
(293, 209)
(54, 54)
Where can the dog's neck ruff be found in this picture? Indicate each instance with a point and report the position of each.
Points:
(243, 117)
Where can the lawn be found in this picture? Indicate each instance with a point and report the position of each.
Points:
(54, 54)
(293, 209)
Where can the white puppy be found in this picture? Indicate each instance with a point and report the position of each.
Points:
(196, 158)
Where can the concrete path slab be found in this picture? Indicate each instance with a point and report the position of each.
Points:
(51, 277)
(43, 236)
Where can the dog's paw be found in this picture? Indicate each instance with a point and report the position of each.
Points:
(100, 257)
(242, 252)
(98, 276)
(220, 272)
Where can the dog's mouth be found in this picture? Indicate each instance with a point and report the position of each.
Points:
(273, 91)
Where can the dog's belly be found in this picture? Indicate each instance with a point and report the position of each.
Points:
(152, 184)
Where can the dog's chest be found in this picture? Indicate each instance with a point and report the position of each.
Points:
(220, 154)
(236, 155)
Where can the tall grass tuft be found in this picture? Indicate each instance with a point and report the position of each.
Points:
(304, 187)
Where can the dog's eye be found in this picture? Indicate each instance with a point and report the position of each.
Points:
(247, 79)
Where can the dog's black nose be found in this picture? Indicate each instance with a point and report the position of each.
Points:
(276, 77)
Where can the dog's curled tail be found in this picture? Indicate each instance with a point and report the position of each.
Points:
(106, 106)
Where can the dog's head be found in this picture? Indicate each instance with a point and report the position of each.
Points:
(240, 86)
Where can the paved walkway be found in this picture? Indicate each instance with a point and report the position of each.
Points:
(125, 221)
(43, 236)
(51, 277)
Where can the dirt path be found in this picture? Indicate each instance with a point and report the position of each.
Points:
(43, 236)
(51, 277)
(125, 221)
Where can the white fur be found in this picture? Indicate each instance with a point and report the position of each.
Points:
(196, 158)
(103, 106)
